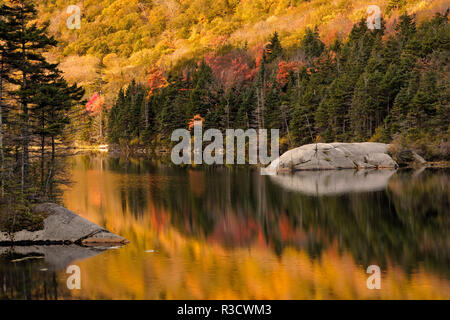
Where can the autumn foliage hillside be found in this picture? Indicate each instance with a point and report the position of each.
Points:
(313, 69)
(128, 37)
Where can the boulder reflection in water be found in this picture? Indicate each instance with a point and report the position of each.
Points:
(333, 182)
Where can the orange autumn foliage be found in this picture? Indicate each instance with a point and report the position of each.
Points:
(230, 69)
(156, 81)
(195, 119)
(285, 68)
(188, 265)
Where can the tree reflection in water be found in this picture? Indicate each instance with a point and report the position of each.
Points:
(218, 232)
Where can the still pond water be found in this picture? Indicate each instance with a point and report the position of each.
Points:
(217, 233)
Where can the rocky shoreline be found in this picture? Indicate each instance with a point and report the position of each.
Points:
(62, 226)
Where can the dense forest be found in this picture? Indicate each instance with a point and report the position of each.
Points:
(369, 87)
(36, 104)
(136, 70)
(133, 71)
(156, 43)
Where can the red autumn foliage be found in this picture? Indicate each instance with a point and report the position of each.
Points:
(195, 119)
(156, 80)
(311, 70)
(95, 103)
(284, 69)
(234, 229)
(321, 62)
(185, 75)
(230, 69)
(332, 55)
(259, 52)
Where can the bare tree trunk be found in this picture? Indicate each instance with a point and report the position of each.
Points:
(42, 154)
(25, 152)
(49, 184)
(25, 142)
(146, 114)
(287, 125)
(101, 124)
(248, 121)
(260, 95)
(228, 112)
(2, 156)
(263, 103)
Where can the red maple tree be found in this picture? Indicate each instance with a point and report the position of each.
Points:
(284, 69)
(196, 118)
(95, 103)
(156, 80)
(230, 69)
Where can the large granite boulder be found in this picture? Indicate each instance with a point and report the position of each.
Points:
(330, 156)
(63, 226)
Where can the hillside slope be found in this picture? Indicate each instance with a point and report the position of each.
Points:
(127, 37)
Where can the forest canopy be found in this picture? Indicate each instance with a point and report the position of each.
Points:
(311, 68)
(372, 86)
(125, 39)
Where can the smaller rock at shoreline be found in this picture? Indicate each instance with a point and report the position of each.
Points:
(405, 157)
(63, 226)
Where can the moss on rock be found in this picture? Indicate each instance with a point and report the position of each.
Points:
(12, 222)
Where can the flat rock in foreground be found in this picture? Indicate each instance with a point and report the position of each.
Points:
(63, 226)
(329, 156)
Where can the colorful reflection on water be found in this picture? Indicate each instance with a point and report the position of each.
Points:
(221, 233)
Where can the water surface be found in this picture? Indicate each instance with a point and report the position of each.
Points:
(221, 233)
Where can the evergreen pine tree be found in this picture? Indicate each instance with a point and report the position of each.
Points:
(200, 99)
(312, 45)
(27, 60)
(274, 49)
